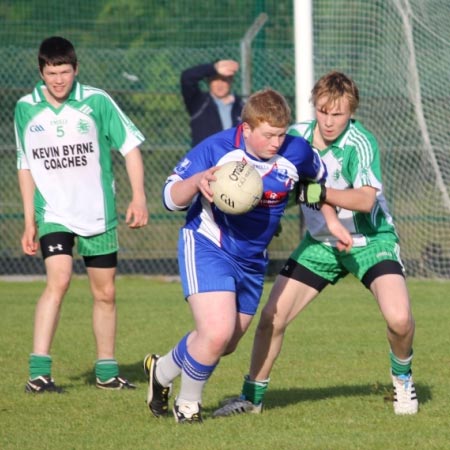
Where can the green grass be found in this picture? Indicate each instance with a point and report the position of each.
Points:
(330, 387)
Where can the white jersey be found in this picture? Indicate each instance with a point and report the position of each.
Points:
(67, 150)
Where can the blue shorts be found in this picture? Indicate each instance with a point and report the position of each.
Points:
(205, 267)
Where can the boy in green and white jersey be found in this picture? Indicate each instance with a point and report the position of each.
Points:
(354, 187)
(352, 162)
(65, 132)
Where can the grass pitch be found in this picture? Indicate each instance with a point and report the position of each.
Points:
(330, 388)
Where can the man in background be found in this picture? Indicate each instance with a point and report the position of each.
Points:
(215, 110)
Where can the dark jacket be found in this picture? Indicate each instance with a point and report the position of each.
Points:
(205, 119)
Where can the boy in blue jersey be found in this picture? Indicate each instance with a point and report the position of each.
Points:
(355, 189)
(65, 132)
(222, 257)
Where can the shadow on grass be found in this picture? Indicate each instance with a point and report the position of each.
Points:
(134, 373)
(283, 397)
(275, 398)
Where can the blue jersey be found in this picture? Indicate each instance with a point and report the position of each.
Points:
(246, 236)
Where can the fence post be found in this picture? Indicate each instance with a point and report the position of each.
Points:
(246, 53)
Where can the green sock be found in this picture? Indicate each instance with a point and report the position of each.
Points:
(106, 369)
(253, 390)
(39, 365)
(400, 366)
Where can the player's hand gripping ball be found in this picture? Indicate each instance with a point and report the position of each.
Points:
(238, 188)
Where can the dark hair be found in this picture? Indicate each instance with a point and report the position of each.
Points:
(217, 76)
(55, 51)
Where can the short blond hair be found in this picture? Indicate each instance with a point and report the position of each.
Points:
(336, 85)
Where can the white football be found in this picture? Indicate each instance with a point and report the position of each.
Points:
(238, 188)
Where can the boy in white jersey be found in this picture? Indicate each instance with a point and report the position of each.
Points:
(354, 188)
(65, 132)
(223, 257)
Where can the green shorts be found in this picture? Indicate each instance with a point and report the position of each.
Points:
(100, 244)
(332, 265)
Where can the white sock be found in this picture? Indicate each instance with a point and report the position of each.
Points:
(167, 369)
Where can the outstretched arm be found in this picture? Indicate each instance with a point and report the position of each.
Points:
(337, 229)
(317, 193)
(359, 199)
(356, 199)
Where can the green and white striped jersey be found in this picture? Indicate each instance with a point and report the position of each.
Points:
(352, 161)
(68, 151)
